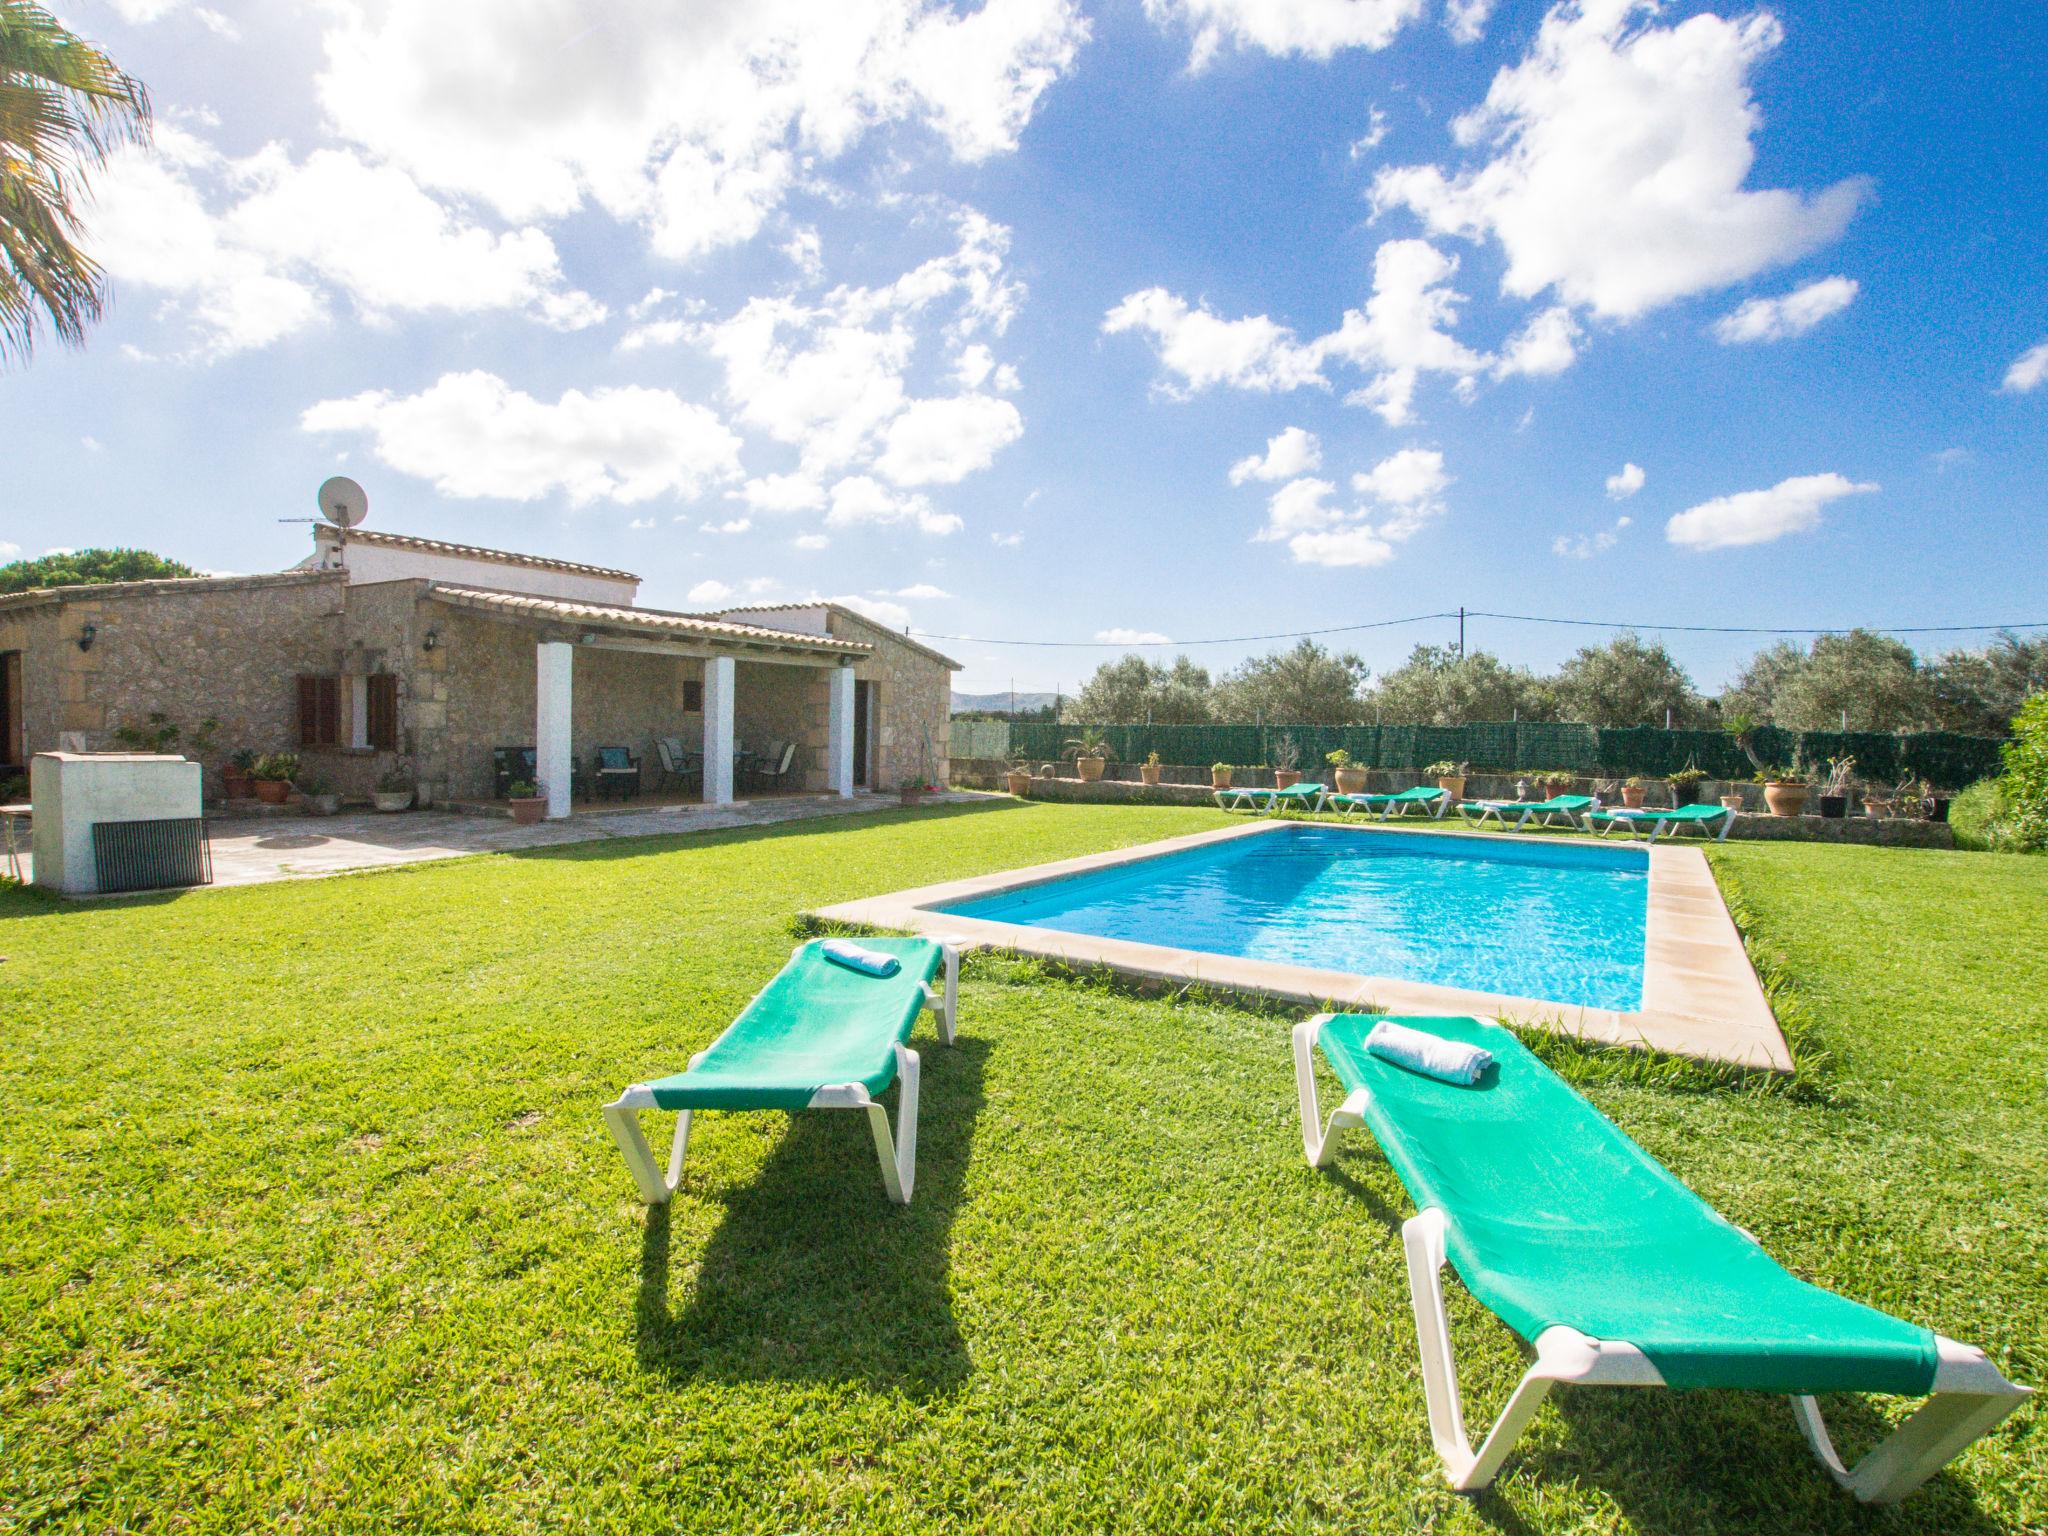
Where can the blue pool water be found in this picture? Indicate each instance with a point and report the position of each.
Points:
(1559, 922)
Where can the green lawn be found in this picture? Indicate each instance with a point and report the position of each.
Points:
(308, 1219)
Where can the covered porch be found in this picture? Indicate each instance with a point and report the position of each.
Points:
(638, 709)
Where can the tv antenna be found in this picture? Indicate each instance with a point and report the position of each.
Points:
(343, 504)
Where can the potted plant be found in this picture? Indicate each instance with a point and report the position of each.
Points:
(1557, 782)
(1148, 770)
(1685, 784)
(1834, 793)
(1091, 755)
(393, 791)
(912, 790)
(1449, 776)
(1019, 777)
(1219, 775)
(529, 802)
(1286, 762)
(272, 776)
(1732, 801)
(234, 774)
(321, 800)
(1784, 791)
(1350, 776)
(1632, 792)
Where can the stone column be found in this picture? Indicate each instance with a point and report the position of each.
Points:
(718, 698)
(839, 732)
(556, 661)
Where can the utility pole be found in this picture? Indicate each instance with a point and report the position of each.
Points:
(1461, 632)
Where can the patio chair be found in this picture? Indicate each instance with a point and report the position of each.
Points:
(616, 771)
(1613, 1271)
(509, 766)
(1431, 800)
(678, 768)
(819, 1036)
(1304, 796)
(1662, 822)
(1524, 811)
(773, 771)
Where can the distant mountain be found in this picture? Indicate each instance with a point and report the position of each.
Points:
(972, 703)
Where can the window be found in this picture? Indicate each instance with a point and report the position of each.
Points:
(693, 696)
(320, 712)
(383, 712)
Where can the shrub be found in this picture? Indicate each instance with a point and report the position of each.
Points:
(2026, 775)
(1977, 816)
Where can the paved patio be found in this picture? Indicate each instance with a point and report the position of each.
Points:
(255, 852)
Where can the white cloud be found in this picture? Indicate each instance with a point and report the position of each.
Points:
(730, 525)
(1757, 517)
(922, 591)
(1466, 20)
(1121, 636)
(473, 435)
(810, 541)
(1204, 349)
(253, 249)
(1006, 540)
(942, 442)
(2027, 370)
(1585, 546)
(1404, 329)
(1790, 314)
(1370, 140)
(1625, 482)
(1399, 496)
(1619, 154)
(806, 252)
(1547, 344)
(861, 499)
(710, 592)
(894, 615)
(1292, 452)
(781, 493)
(641, 524)
(92, 444)
(694, 121)
(9, 550)
(1315, 29)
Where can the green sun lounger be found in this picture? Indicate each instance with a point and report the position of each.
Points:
(1305, 796)
(1524, 811)
(819, 1036)
(1613, 1271)
(1662, 822)
(1426, 798)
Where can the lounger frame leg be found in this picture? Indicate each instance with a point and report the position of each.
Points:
(1938, 1431)
(1318, 1139)
(622, 1119)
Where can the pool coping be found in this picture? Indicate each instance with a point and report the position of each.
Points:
(1701, 996)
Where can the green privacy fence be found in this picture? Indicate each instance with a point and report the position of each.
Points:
(1947, 760)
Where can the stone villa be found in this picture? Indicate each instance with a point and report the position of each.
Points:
(384, 652)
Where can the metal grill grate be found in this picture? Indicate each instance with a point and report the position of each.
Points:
(151, 855)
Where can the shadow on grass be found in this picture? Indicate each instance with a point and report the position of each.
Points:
(634, 845)
(813, 1274)
(1682, 1462)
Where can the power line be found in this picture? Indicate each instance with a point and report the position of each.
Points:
(1479, 613)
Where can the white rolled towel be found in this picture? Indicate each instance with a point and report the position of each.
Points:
(1450, 1061)
(858, 957)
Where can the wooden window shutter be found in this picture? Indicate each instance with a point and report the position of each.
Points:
(309, 711)
(383, 712)
(319, 711)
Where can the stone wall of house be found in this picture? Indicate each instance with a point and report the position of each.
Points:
(773, 704)
(226, 648)
(914, 704)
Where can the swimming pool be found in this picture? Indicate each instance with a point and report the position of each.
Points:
(1564, 923)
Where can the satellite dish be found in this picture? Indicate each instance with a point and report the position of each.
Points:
(343, 502)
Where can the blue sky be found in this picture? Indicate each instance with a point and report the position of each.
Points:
(1058, 321)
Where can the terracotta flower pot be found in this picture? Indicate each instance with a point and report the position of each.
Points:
(234, 783)
(527, 812)
(1452, 784)
(1286, 778)
(1091, 767)
(1632, 795)
(1731, 802)
(1019, 783)
(273, 791)
(910, 796)
(1219, 778)
(1149, 772)
(1350, 781)
(1785, 797)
